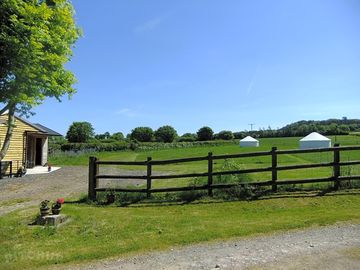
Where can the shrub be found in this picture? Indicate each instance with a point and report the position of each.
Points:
(117, 136)
(187, 137)
(242, 190)
(239, 135)
(165, 134)
(225, 135)
(95, 146)
(142, 134)
(103, 136)
(205, 134)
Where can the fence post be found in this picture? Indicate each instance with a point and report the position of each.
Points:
(274, 168)
(336, 166)
(148, 177)
(93, 182)
(11, 169)
(210, 174)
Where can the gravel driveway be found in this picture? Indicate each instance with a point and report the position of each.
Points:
(331, 247)
(16, 193)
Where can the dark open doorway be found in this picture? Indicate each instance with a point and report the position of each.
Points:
(38, 152)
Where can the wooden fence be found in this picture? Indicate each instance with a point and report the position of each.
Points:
(336, 178)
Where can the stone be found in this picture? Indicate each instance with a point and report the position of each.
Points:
(51, 220)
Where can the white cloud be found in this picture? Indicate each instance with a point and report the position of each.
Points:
(127, 112)
(252, 81)
(149, 25)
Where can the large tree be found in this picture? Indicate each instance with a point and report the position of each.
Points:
(165, 134)
(205, 134)
(142, 134)
(36, 40)
(80, 132)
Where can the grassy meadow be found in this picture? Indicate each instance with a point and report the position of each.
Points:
(241, 163)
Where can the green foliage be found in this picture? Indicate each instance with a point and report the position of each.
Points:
(187, 137)
(225, 135)
(118, 136)
(103, 136)
(95, 146)
(239, 135)
(110, 145)
(80, 132)
(55, 143)
(165, 134)
(126, 198)
(205, 134)
(36, 41)
(142, 134)
(176, 145)
(242, 190)
(328, 127)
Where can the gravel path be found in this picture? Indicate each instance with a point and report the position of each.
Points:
(332, 247)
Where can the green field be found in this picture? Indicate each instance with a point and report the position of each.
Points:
(244, 163)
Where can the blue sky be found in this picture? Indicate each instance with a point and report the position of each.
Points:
(224, 64)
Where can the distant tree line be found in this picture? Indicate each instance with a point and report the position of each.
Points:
(83, 132)
(302, 128)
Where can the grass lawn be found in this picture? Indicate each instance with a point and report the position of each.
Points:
(97, 232)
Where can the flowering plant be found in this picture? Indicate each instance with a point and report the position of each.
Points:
(60, 200)
(58, 203)
(44, 204)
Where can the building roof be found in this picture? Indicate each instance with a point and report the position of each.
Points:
(47, 130)
(248, 139)
(314, 136)
(44, 130)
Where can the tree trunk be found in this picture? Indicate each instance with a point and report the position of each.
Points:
(10, 128)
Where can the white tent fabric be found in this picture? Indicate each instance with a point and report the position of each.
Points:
(249, 142)
(315, 140)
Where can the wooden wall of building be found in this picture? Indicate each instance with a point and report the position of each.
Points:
(16, 149)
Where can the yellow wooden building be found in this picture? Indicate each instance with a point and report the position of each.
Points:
(28, 145)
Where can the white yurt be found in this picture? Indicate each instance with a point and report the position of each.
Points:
(315, 140)
(249, 142)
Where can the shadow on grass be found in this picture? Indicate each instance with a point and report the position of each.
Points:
(265, 195)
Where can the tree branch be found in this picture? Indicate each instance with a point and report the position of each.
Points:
(10, 128)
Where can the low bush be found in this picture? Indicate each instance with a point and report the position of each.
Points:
(99, 146)
(95, 146)
(242, 190)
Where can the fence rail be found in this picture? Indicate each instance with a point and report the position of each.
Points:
(336, 164)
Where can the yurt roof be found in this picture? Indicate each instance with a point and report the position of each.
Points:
(248, 139)
(314, 136)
